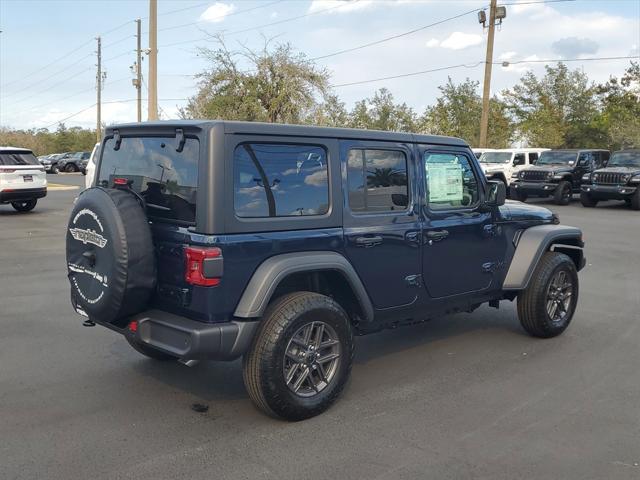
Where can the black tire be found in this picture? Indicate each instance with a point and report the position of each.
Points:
(264, 364)
(148, 351)
(25, 206)
(587, 200)
(70, 168)
(635, 200)
(563, 193)
(110, 255)
(55, 169)
(520, 196)
(533, 302)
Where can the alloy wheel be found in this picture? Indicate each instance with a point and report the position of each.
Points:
(559, 296)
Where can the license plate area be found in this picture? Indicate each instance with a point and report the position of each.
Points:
(27, 178)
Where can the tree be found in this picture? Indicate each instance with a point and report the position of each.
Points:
(620, 116)
(382, 113)
(279, 85)
(457, 113)
(557, 110)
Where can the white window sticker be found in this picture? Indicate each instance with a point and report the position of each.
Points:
(445, 182)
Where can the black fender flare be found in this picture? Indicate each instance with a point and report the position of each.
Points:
(273, 270)
(533, 243)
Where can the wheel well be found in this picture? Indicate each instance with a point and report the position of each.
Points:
(571, 247)
(331, 283)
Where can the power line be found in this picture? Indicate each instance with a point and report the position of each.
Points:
(562, 60)
(393, 37)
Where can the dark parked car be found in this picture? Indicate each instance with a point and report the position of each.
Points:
(557, 173)
(72, 162)
(620, 180)
(211, 240)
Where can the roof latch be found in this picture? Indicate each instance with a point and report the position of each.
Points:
(117, 139)
(180, 139)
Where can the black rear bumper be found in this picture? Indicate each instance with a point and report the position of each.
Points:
(188, 339)
(22, 194)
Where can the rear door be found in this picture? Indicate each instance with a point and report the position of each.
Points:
(381, 225)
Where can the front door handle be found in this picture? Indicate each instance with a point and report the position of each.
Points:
(437, 235)
(368, 241)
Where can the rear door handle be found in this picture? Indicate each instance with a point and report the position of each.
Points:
(368, 241)
(437, 235)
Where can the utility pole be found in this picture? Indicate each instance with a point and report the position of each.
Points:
(153, 60)
(99, 93)
(138, 81)
(498, 13)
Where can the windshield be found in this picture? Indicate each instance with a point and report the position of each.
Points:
(557, 158)
(165, 178)
(496, 157)
(18, 158)
(625, 159)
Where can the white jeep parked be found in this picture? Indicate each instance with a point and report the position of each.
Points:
(501, 164)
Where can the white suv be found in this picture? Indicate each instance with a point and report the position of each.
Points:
(22, 178)
(503, 164)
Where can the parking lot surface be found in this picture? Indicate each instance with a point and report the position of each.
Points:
(468, 396)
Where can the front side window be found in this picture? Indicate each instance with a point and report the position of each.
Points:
(533, 158)
(377, 180)
(518, 159)
(451, 182)
(280, 180)
(166, 178)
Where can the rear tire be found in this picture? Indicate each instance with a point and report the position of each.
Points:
(635, 200)
(547, 305)
(563, 193)
(587, 200)
(25, 206)
(148, 351)
(301, 356)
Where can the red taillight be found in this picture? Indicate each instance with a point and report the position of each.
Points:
(7, 170)
(133, 326)
(120, 181)
(195, 268)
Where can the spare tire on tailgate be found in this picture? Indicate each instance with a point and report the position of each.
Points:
(110, 255)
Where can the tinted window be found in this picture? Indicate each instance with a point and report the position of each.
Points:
(533, 157)
(451, 182)
(18, 158)
(166, 179)
(280, 180)
(518, 159)
(377, 180)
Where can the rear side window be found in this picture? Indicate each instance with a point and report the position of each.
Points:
(18, 158)
(165, 178)
(377, 180)
(280, 180)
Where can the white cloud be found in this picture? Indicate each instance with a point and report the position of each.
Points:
(434, 42)
(217, 12)
(460, 40)
(339, 6)
(273, 15)
(506, 55)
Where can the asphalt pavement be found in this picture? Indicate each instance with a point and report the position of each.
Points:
(467, 396)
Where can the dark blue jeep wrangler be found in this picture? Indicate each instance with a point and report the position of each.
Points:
(212, 240)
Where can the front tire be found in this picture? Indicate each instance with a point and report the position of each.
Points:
(70, 168)
(563, 193)
(55, 169)
(301, 356)
(635, 200)
(25, 206)
(547, 305)
(587, 200)
(520, 196)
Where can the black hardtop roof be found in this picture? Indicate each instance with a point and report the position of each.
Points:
(253, 128)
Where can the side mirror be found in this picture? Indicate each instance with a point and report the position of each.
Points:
(496, 193)
(400, 199)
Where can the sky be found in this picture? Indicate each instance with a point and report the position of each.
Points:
(47, 47)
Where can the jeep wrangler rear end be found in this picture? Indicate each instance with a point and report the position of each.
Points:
(214, 240)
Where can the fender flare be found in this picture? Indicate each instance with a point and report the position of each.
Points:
(532, 244)
(273, 270)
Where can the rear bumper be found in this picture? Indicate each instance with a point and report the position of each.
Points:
(21, 194)
(609, 192)
(540, 189)
(188, 339)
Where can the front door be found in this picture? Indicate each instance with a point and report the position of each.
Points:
(381, 225)
(463, 245)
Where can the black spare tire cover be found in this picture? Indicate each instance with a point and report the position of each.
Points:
(110, 256)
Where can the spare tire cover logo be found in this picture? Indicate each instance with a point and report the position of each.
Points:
(94, 238)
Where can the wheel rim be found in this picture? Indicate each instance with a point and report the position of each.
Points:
(311, 359)
(566, 193)
(559, 296)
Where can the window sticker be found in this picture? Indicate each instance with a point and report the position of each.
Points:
(445, 182)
